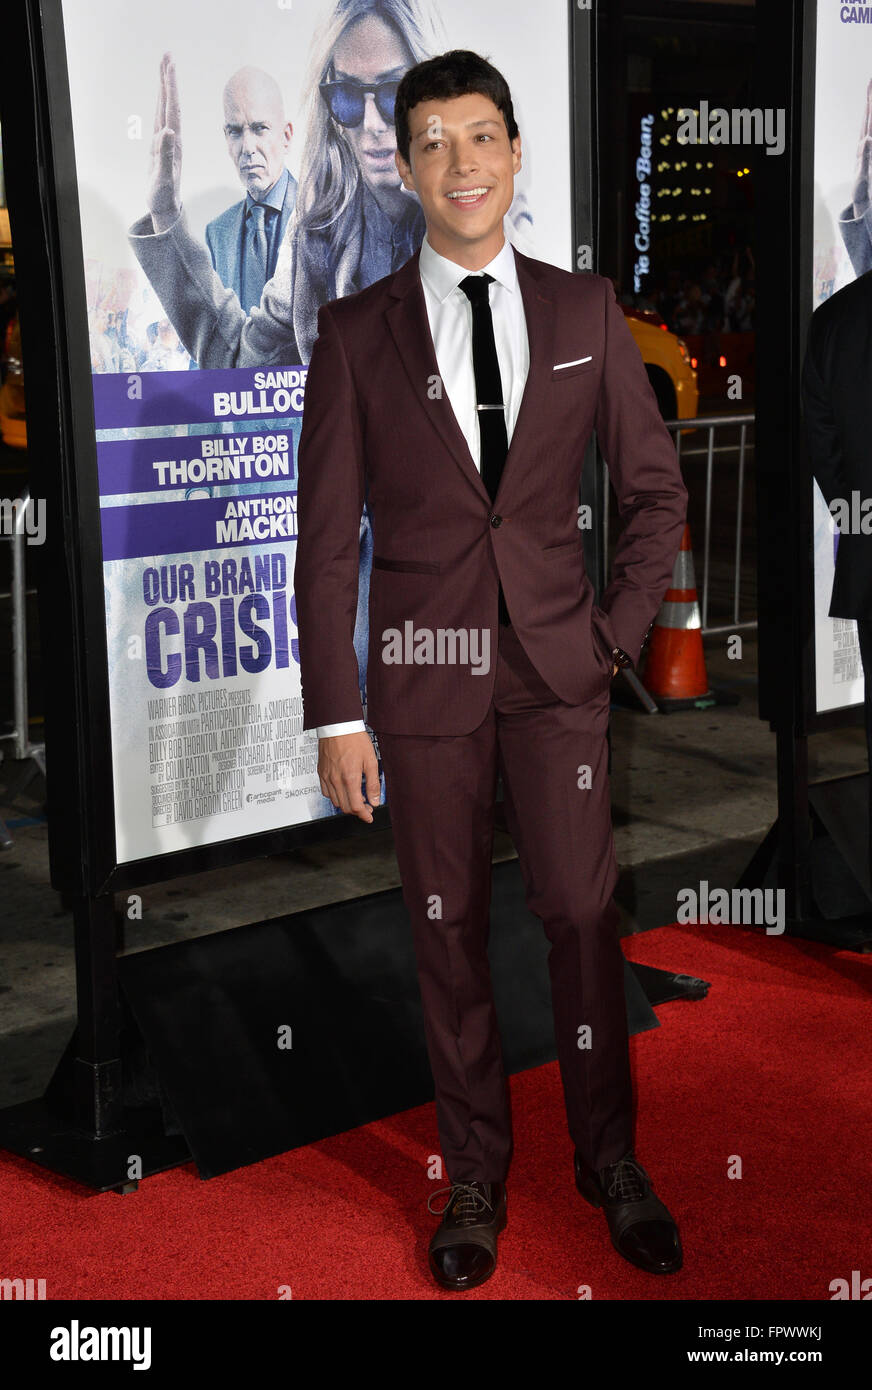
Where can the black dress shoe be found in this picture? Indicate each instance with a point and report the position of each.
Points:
(639, 1224)
(463, 1251)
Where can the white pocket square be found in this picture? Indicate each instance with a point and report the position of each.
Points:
(576, 362)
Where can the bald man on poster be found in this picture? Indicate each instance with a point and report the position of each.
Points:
(244, 241)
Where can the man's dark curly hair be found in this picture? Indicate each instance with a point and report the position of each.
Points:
(453, 74)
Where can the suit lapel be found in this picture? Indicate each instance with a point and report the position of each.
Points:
(235, 247)
(539, 312)
(410, 328)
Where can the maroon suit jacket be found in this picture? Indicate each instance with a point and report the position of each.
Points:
(374, 420)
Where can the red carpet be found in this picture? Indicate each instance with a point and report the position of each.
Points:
(773, 1068)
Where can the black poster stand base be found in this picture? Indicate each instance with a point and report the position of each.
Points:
(34, 1131)
(828, 888)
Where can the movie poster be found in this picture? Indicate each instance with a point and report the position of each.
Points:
(235, 171)
(842, 250)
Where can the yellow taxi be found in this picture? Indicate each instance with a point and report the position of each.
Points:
(668, 362)
(13, 421)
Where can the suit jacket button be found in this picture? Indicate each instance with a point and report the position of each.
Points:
(496, 520)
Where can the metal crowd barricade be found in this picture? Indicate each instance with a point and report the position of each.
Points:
(704, 437)
(22, 748)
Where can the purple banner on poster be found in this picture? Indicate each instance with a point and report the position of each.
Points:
(132, 400)
(213, 523)
(128, 466)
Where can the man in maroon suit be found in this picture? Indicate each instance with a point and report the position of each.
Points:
(459, 394)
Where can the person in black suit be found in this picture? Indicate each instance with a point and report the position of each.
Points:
(835, 396)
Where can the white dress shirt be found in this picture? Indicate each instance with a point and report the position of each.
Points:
(450, 316)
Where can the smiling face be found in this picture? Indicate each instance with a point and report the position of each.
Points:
(255, 128)
(371, 51)
(462, 165)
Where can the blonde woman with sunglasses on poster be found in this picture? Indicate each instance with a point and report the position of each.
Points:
(353, 223)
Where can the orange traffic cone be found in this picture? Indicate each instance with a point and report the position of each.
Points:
(675, 671)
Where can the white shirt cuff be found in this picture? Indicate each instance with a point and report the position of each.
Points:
(350, 726)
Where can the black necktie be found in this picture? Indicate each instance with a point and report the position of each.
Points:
(254, 266)
(488, 393)
(488, 386)
(257, 223)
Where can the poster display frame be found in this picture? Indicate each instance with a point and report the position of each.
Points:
(44, 200)
(787, 655)
(808, 848)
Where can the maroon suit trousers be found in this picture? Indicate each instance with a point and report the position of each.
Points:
(441, 793)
